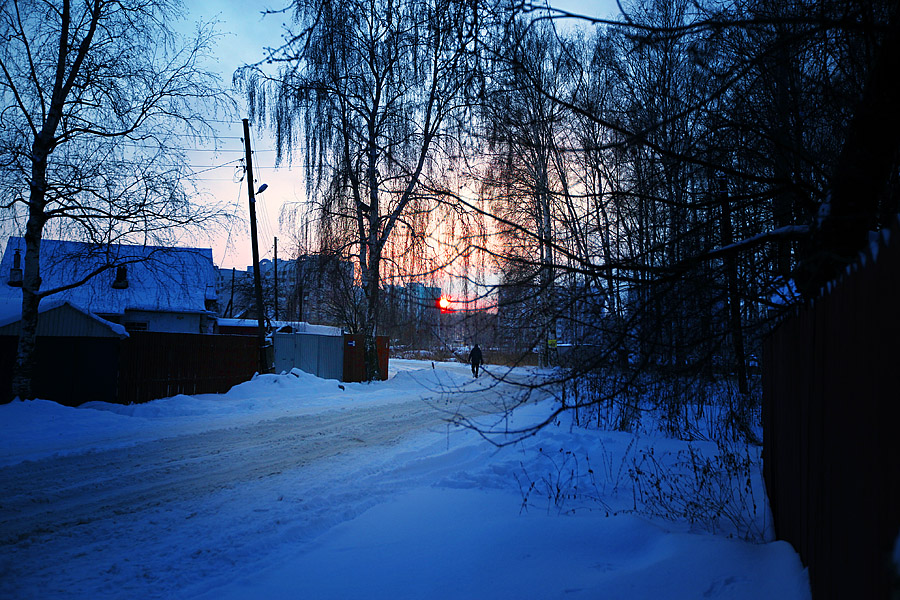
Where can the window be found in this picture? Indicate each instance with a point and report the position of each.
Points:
(136, 326)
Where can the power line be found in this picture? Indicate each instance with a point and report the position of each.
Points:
(231, 225)
(217, 167)
(194, 149)
(261, 206)
(195, 136)
(224, 179)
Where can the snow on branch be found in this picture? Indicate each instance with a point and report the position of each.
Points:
(788, 231)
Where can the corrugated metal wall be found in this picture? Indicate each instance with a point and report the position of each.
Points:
(320, 355)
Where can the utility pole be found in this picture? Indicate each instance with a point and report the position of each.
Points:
(276, 279)
(231, 302)
(263, 366)
(298, 288)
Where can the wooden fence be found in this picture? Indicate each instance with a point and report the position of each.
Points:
(831, 411)
(159, 365)
(140, 368)
(150, 365)
(69, 370)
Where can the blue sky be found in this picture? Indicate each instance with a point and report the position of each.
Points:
(243, 34)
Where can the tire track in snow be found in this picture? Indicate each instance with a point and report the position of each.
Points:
(59, 493)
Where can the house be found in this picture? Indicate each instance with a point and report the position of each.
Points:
(142, 288)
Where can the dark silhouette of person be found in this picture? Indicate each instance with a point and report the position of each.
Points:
(475, 359)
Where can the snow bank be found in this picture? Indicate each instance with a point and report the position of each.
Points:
(34, 429)
(461, 524)
(440, 513)
(449, 544)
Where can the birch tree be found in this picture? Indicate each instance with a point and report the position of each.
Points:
(370, 87)
(95, 96)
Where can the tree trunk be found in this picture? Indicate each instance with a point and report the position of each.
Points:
(783, 204)
(372, 272)
(734, 306)
(31, 285)
(370, 324)
(864, 168)
(547, 293)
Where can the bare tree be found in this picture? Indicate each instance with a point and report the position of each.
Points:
(526, 177)
(714, 145)
(373, 86)
(94, 95)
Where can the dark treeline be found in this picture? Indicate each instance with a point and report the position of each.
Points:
(654, 191)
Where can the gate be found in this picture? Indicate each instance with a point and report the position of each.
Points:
(321, 355)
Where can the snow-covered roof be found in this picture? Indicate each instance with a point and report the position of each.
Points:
(159, 278)
(296, 326)
(303, 327)
(237, 322)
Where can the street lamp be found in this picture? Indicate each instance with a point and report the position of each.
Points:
(263, 366)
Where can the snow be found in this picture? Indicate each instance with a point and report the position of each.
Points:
(440, 543)
(785, 293)
(160, 278)
(896, 555)
(289, 486)
(790, 231)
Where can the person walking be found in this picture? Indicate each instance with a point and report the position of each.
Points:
(475, 359)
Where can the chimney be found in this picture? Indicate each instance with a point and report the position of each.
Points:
(121, 281)
(15, 274)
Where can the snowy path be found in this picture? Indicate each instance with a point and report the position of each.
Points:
(65, 516)
(50, 495)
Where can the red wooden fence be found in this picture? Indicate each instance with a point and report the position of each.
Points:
(355, 357)
(150, 365)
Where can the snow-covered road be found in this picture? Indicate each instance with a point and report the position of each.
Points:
(294, 487)
(78, 490)
(200, 501)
